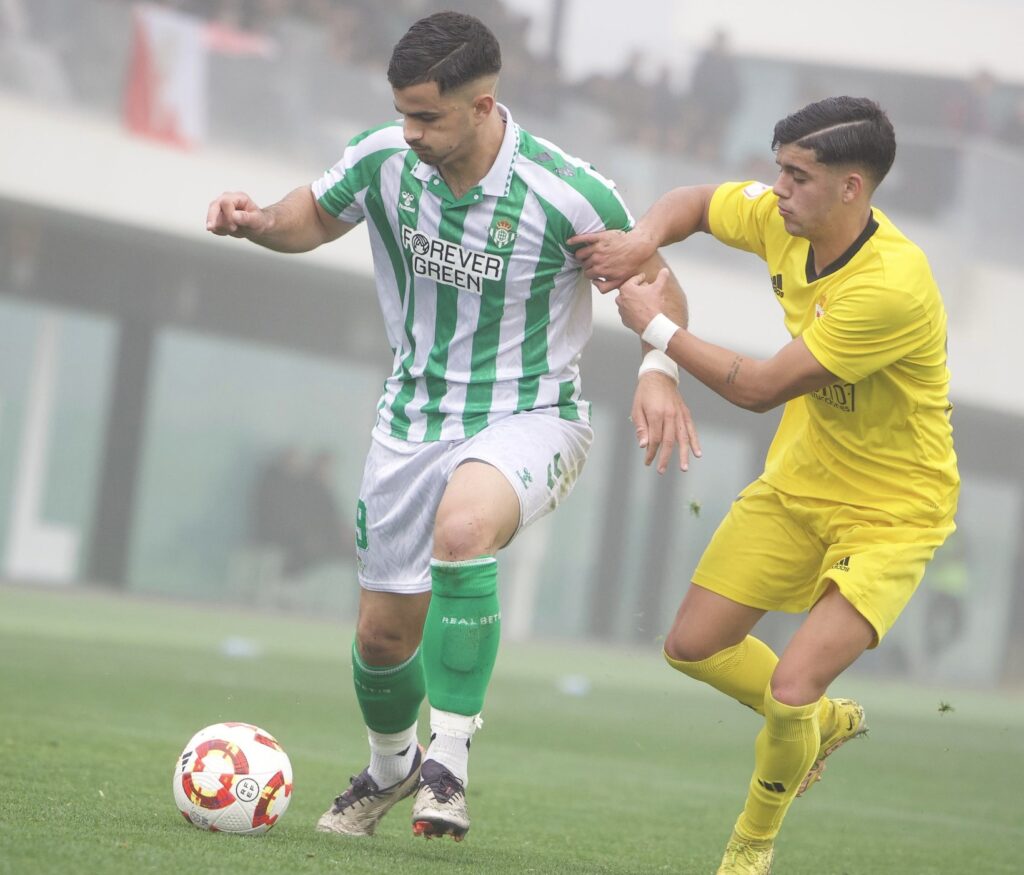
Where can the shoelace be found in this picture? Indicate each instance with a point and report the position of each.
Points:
(361, 787)
(444, 787)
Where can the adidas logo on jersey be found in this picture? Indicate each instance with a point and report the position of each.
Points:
(777, 285)
(843, 564)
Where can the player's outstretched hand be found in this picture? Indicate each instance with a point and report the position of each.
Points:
(609, 258)
(235, 214)
(663, 422)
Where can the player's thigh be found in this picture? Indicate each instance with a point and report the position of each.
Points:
(539, 455)
(761, 555)
(479, 513)
(707, 623)
(402, 487)
(829, 641)
(877, 562)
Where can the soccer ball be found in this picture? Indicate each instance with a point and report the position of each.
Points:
(233, 777)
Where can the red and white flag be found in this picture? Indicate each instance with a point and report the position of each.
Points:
(166, 94)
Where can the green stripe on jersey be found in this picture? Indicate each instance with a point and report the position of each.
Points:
(566, 408)
(605, 202)
(400, 422)
(446, 317)
(488, 327)
(538, 308)
(357, 177)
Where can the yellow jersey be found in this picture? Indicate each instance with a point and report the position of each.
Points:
(881, 437)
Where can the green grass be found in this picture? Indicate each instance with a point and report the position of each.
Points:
(645, 773)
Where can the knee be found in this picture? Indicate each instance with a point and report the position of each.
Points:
(684, 647)
(382, 643)
(461, 534)
(790, 689)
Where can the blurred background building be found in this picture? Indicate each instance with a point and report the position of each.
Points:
(187, 416)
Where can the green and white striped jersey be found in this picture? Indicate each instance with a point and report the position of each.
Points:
(485, 306)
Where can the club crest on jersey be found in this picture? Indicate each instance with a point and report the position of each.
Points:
(501, 233)
(405, 200)
(819, 308)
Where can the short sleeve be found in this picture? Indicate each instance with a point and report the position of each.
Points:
(739, 212)
(866, 328)
(340, 191)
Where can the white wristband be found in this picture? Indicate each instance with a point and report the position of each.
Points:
(659, 332)
(656, 360)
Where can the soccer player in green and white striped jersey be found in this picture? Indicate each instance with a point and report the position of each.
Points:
(481, 428)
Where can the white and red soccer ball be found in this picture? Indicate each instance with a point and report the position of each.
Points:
(233, 777)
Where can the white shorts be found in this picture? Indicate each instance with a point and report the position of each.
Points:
(540, 454)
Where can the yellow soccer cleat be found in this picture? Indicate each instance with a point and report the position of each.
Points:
(850, 724)
(747, 857)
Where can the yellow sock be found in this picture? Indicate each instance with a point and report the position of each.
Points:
(784, 751)
(742, 671)
(826, 716)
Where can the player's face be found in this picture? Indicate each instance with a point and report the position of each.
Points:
(808, 191)
(439, 128)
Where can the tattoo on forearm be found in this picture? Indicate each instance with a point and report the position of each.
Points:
(734, 371)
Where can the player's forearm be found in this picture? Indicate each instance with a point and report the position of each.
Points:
(674, 302)
(677, 214)
(738, 379)
(673, 305)
(293, 224)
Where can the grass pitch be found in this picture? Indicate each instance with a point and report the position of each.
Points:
(592, 760)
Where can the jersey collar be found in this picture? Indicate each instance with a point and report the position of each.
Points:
(498, 180)
(843, 259)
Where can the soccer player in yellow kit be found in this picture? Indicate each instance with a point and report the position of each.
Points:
(860, 483)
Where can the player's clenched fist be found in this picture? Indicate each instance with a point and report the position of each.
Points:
(236, 214)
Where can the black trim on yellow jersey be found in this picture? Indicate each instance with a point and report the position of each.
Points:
(843, 259)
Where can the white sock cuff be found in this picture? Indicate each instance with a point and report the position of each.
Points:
(392, 743)
(464, 563)
(455, 725)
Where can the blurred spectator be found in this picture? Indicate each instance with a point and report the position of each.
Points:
(946, 589)
(714, 97)
(277, 503)
(321, 540)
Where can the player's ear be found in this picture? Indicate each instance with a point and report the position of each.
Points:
(853, 185)
(483, 106)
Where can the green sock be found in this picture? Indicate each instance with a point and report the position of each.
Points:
(389, 696)
(461, 633)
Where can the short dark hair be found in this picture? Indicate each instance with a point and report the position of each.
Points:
(842, 130)
(449, 48)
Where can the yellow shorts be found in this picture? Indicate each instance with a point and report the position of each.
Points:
(777, 552)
